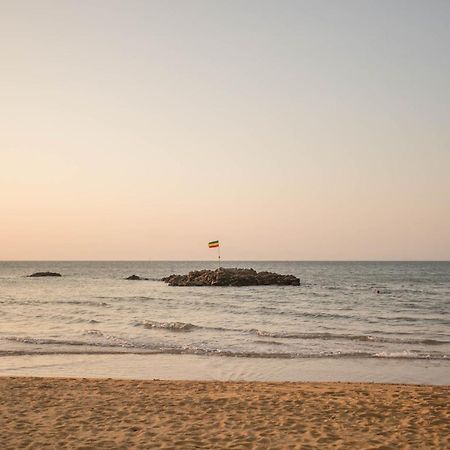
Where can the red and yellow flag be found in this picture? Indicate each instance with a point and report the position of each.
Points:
(213, 244)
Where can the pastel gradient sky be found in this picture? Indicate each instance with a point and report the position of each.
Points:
(286, 129)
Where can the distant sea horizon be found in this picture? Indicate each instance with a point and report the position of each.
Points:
(229, 260)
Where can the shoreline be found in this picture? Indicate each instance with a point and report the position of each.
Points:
(224, 368)
(112, 413)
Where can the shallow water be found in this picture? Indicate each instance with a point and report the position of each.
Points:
(195, 367)
(343, 310)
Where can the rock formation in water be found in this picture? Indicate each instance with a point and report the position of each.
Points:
(45, 274)
(231, 277)
(135, 277)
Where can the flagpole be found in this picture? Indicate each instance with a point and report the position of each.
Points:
(214, 244)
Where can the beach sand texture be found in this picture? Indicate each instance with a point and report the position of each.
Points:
(57, 413)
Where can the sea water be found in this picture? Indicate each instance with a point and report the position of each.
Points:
(382, 316)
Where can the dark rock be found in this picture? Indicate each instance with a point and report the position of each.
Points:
(45, 274)
(231, 277)
(135, 277)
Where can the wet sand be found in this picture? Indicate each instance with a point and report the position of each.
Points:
(80, 413)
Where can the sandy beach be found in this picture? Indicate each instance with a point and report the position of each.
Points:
(105, 413)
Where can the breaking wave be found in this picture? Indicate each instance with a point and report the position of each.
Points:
(171, 326)
(185, 326)
(107, 341)
(350, 337)
(81, 347)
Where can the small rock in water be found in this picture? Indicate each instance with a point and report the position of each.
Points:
(135, 277)
(45, 274)
(231, 277)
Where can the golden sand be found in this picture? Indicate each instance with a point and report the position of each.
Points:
(57, 413)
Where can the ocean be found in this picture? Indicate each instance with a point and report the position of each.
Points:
(346, 321)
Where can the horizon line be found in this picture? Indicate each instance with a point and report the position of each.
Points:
(226, 260)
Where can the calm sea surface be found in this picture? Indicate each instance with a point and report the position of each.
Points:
(362, 310)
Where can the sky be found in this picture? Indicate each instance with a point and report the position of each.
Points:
(288, 130)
